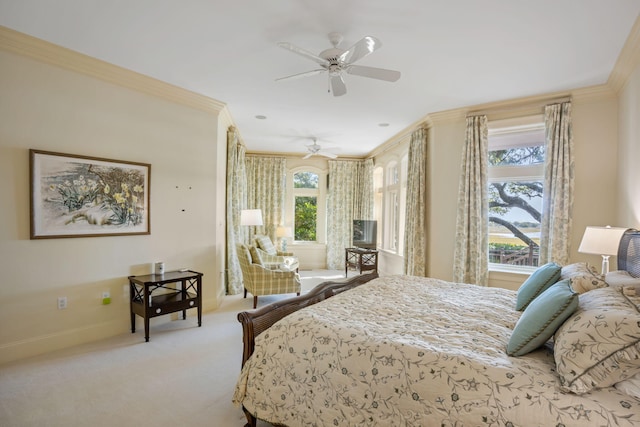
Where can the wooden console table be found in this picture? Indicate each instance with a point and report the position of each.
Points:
(361, 259)
(182, 291)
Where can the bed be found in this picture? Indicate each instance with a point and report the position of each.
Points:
(410, 351)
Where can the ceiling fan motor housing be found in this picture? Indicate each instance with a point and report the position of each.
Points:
(332, 55)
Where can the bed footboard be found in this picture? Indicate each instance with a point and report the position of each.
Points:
(257, 321)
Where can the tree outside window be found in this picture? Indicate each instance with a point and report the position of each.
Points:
(305, 206)
(515, 198)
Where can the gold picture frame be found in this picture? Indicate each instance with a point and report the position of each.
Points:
(82, 196)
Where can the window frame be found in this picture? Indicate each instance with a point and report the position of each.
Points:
(515, 127)
(390, 180)
(321, 198)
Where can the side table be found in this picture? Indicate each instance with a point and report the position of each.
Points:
(182, 291)
(362, 259)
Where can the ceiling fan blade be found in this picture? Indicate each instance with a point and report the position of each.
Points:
(337, 86)
(308, 155)
(374, 73)
(327, 154)
(362, 48)
(305, 74)
(302, 52)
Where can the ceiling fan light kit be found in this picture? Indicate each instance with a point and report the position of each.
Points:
(336, 61)
(315, 148)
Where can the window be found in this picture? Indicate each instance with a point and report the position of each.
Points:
(378, 198)
(306, 192)
(393, 205)
(516, 173)
(390, 192)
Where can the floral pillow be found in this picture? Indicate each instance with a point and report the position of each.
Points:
(583, 277)
(599, 345)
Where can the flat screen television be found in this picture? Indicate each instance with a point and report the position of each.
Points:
(365, 233)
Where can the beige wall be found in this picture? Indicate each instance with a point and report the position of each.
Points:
(629, 151)
(54, 108)
(595, 137)
(56, 100)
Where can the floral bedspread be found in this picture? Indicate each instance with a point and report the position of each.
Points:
(408, 351)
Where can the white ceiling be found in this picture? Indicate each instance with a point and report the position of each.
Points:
(452, 53)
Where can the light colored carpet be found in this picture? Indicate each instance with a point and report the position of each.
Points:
(184, 376)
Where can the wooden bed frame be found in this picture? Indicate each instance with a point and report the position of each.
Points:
(257, 321)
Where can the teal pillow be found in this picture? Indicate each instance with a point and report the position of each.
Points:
(542, 318)
(540, 280)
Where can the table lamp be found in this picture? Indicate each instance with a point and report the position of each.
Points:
(601, 241)
(283, 233)
(251, 217)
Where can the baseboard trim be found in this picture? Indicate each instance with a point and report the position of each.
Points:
(19, 350)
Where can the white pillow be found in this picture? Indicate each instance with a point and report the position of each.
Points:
(630, 386)
(622, 278)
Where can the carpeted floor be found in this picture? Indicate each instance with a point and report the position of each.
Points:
(184, 376)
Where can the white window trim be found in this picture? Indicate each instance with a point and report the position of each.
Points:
(518, 125)
(320, 193)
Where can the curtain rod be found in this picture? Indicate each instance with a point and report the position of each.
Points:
(528, 105)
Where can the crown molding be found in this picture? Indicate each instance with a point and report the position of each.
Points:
(592, 93)
(628, 59)
(399, 137)
(49, 53)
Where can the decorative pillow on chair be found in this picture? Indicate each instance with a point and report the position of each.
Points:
(599, 345)
(255, 256)
(542, 318)
(583, 277)
(538, 282)
(265, 243)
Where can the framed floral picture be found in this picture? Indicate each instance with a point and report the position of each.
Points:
(80, 196)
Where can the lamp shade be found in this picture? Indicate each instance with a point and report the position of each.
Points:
(601, 240)
(251, 217)
(284, 232)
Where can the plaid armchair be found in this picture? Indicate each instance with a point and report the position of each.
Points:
(260, 280)
(272, 258)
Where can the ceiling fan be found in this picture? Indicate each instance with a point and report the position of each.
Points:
(336, 61)
(315, 148)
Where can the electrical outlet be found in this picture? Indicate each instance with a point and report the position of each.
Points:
(62, 303)
(106, 298)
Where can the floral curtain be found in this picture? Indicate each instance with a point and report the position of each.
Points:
(415, 228)
(266, 180)
(558, 184)
(471, 258)
(236, 201)
(350, 194)
(363, 200)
